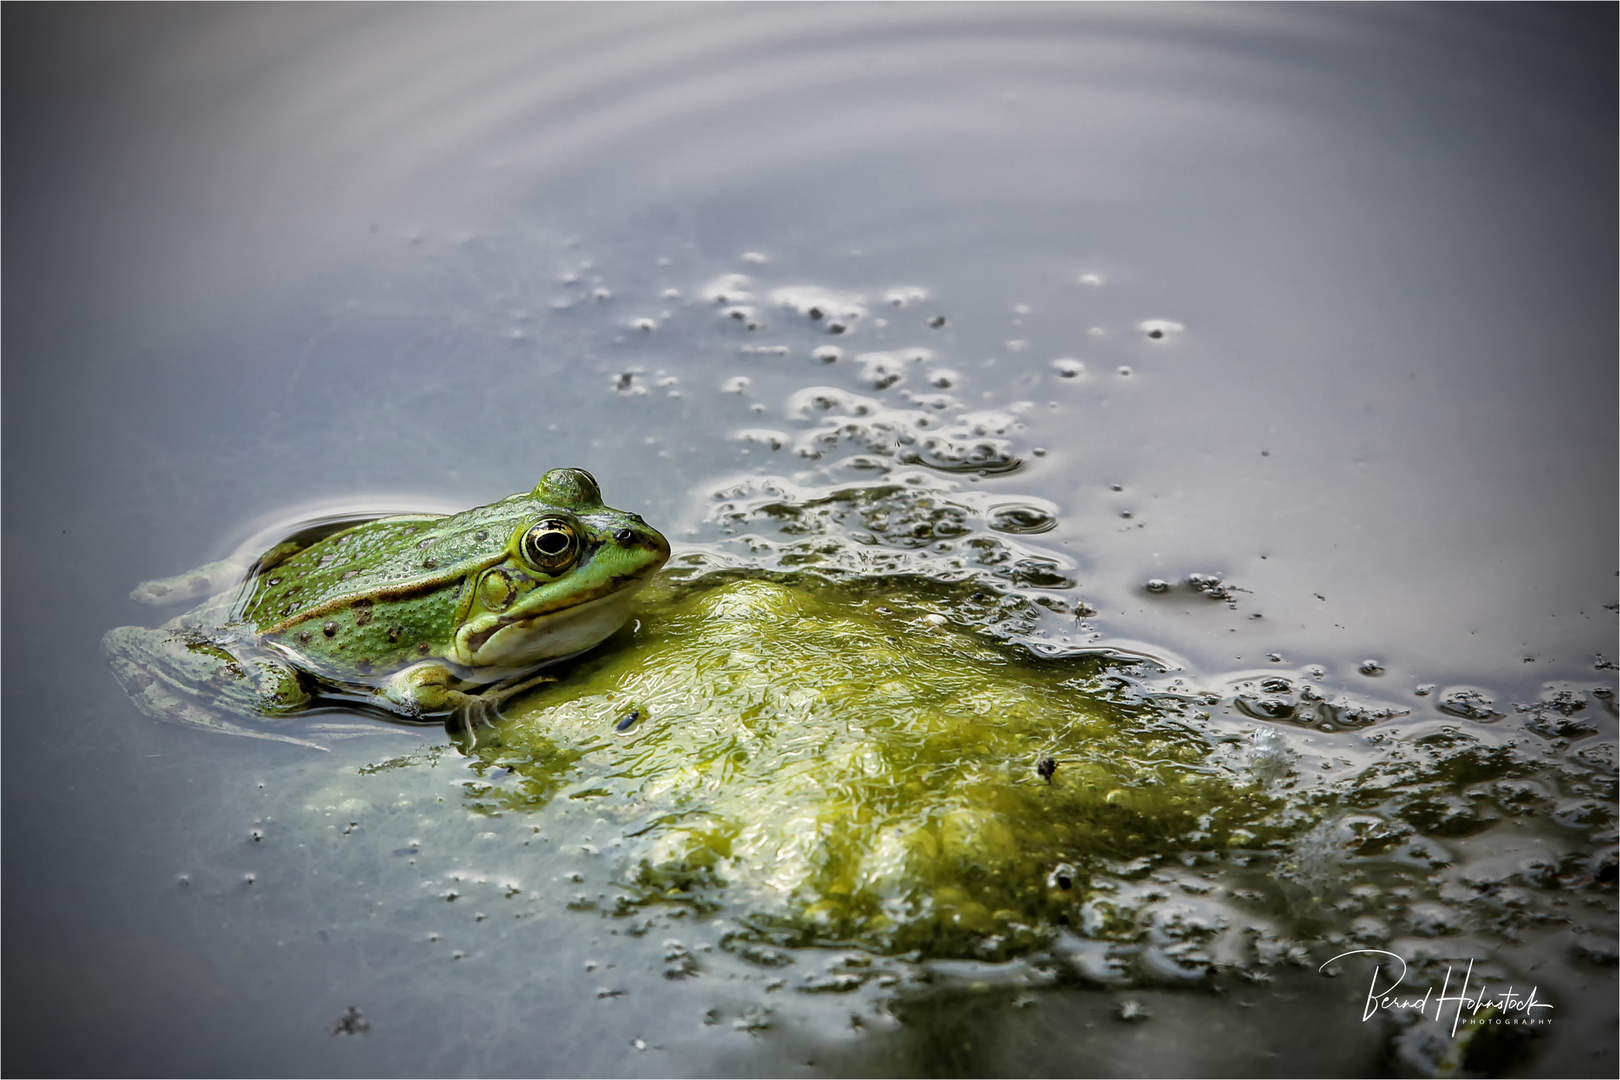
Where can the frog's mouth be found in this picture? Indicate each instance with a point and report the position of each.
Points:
(512, 641)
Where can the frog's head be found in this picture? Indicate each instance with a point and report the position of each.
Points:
(565, 583)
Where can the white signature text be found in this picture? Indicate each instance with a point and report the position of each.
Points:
(1505, 1003)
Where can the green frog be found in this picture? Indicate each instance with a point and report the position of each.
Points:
(426, 617)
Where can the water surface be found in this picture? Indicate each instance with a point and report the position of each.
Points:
(1316, 303)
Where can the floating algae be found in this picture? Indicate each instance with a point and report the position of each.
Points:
(840, 765)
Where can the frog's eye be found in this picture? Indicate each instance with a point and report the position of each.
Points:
(551, 545)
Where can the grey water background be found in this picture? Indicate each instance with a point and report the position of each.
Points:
(259, 256)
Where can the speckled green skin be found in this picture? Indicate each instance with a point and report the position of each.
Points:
(426, 617)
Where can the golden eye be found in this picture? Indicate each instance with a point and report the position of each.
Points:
(551, 545)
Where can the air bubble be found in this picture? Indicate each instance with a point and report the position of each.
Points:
(1022, 519)
(763, 436)
(937, 321)
(644, 325)
(1157, 585)
(839, 310)
(1267, 708)
(1467, 703)
(1132, 1012)
(1067, 368)
(882, 370)
(1371, 667)
(1159, 329)
(829, 354)
(730, 289)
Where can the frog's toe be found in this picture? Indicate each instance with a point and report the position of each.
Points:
(501, 693)
(475, 713)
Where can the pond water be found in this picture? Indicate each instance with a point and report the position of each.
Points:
(1234, 383)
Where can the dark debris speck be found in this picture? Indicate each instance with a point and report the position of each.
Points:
(351, 1023)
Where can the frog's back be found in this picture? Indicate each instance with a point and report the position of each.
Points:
(394, 558)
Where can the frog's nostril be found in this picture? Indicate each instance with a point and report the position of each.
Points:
(625, 536)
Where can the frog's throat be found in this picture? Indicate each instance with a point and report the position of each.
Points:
(545, 634)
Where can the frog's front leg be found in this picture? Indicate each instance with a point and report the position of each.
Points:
(427, 692)
(180, 675)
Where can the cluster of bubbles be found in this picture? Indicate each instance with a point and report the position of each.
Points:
(1210, 585)
(929, 430)
(903, 525)
(1299, 700)
(881, 475)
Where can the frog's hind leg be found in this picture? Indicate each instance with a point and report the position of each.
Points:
(155, 696)
(204, 581)
(187, 691)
